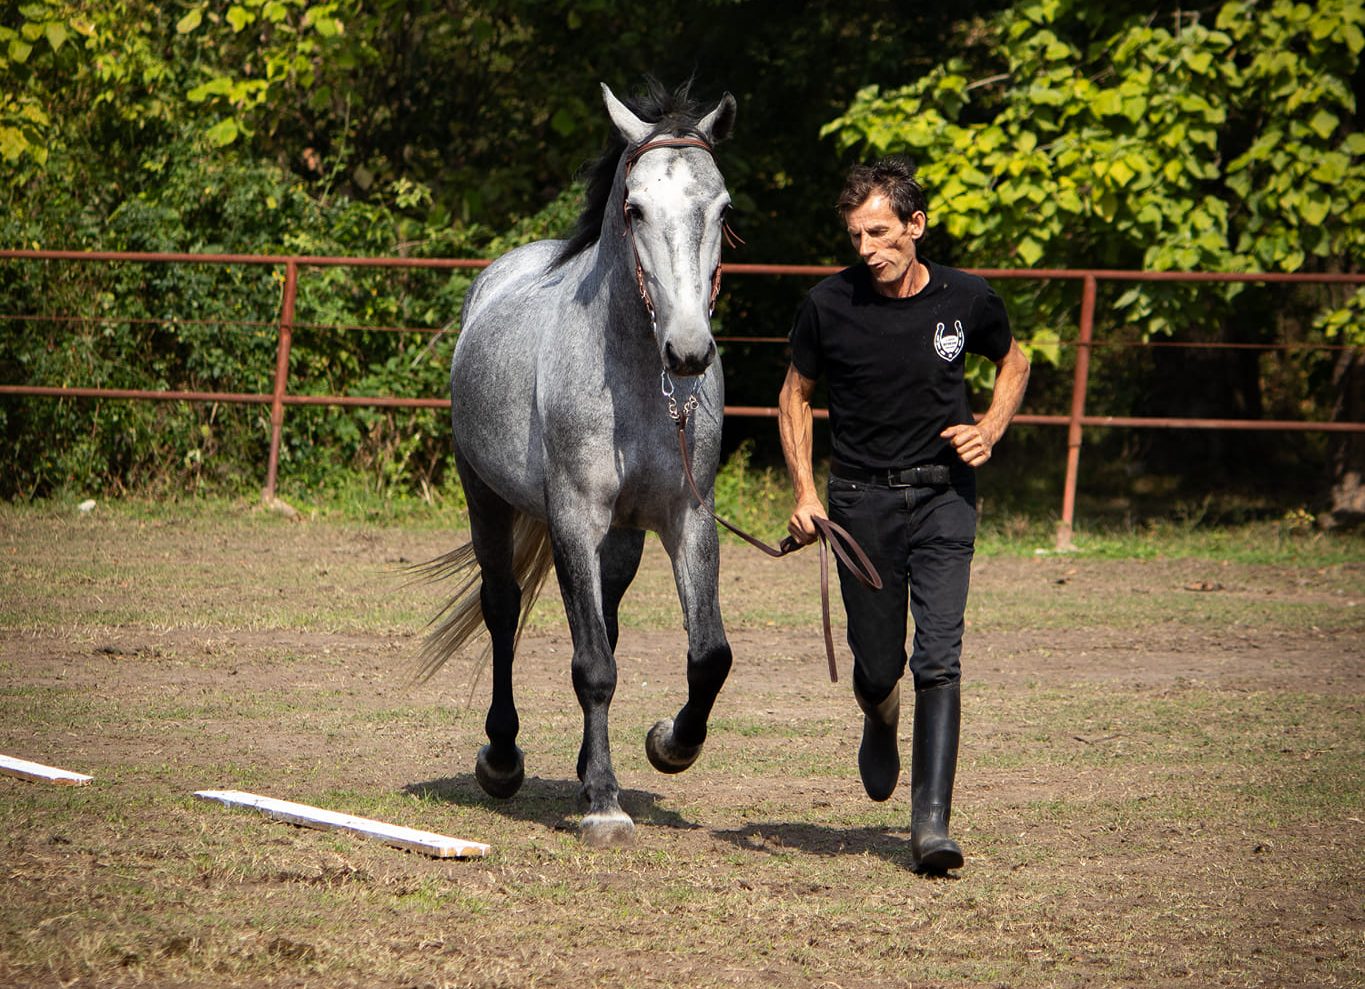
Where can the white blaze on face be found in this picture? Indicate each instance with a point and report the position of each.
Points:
(678, 200)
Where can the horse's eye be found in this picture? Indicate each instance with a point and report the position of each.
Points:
(634, 212)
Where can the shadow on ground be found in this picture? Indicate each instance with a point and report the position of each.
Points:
(556, 804)
(776, 838)
(553, 803)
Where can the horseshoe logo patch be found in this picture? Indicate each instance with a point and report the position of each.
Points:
(949, 342)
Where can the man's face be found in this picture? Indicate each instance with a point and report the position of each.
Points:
(883, 241)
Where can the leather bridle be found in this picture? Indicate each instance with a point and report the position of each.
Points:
(731, 238)
(829, 533)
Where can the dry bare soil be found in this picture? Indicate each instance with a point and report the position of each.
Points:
(1160, 785)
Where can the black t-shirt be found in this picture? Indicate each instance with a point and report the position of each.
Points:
(895, 366)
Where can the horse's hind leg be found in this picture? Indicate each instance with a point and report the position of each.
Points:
(500, 766)
(673, 744)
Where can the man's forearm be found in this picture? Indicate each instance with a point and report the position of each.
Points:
(1011, 380)
(794, 426)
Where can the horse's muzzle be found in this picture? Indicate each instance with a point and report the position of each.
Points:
(690, 362)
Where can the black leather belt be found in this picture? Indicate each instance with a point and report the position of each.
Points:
(926, 475)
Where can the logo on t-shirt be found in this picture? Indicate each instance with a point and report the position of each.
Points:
(949, 342)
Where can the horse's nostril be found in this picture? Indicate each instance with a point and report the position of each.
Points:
(690, 367)
(690, 361)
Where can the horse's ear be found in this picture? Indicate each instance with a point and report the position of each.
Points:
(717, 124)
(632, 128)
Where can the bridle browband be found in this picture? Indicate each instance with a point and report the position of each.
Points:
(731, 238)
(830, 534)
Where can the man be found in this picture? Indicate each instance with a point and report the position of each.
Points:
(890, 336)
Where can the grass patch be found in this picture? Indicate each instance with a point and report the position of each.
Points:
(1148, 774)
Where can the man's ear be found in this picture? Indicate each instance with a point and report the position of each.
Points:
(917, 223)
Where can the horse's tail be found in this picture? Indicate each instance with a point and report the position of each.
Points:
(462, 617)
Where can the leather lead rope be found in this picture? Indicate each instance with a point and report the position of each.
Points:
(831, 536)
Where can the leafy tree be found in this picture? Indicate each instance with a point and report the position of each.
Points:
(209, 327)
(448, 127)
(1218, 138)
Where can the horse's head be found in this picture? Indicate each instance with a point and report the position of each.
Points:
(674, 209)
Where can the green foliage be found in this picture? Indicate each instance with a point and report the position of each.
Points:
(129, 61)
(304, 82)
(76, 72)
(163, 327)
(214, 328)
(1345, 324)
(331, 125)
(279, 57)
(1081, 136)
(1300, 179)
(289, 126)
(454, 129)
(756, 500)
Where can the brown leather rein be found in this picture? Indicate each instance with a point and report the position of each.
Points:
(830, 534)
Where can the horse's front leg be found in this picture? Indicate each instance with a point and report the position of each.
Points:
(578, 543)
(673, 744)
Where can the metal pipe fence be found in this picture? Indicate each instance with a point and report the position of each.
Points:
(1075, 421)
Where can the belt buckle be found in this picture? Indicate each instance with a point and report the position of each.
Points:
(921, 476)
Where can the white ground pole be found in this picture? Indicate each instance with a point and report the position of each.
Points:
(411, 839)
(37, 772)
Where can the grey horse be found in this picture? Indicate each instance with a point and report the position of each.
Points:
(568, 351)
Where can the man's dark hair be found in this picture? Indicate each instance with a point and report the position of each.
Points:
(893, 177)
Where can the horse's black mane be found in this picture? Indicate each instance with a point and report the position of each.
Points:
(672, 112)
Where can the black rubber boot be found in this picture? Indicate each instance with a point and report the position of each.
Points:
(879, 757)
(933, 765)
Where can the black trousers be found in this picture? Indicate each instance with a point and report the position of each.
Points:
(921, 540)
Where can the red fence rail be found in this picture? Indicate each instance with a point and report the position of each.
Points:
(1075, 421)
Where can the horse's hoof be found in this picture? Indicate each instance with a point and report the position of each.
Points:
(501, 783)
(613, 829)
(664, 753)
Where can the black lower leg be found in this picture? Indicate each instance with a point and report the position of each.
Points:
(705, 676)
(879, 759)
(932, 771)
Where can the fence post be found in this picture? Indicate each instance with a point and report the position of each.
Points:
(291, 284)
(1073, 433)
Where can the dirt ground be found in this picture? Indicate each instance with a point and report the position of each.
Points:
(1161, 779)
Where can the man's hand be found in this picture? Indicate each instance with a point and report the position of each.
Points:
(974, 441)
(972, 444)
(800, 525)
